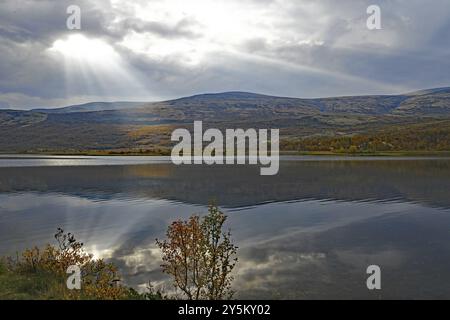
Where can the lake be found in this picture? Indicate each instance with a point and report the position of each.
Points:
(309, 232)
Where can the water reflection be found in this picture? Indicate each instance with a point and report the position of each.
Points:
(425, 181)
(308, 232)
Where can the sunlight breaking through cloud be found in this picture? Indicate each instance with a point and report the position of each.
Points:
(95, 66)
(163, 49)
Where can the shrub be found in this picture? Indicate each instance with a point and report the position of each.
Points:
(100, 280)
(200, 256)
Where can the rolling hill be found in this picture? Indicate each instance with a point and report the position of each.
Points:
(119, 126)
(92, 106)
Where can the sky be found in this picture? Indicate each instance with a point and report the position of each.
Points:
(151, 50)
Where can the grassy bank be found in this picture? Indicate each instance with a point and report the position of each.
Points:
(16, 285)
(43, 285)
(41, 274)
(197, 254)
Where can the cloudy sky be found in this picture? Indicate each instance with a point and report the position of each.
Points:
(148, 50)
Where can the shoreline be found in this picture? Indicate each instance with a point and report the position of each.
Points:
(444, 154)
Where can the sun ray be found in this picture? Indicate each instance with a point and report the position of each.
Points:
(93, 67)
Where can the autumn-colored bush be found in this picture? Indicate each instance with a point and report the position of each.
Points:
(199, 256)
(100, 280)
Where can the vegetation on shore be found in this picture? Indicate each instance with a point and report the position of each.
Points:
(197, 254)
(118, 152)
(340, 152)
(41, 273)
(413, 140)
(444, 154)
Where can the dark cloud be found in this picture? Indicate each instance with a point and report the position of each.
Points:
(45, 20)
(170, 48)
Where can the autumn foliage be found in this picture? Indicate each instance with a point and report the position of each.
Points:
(199, 256)
(100, 280)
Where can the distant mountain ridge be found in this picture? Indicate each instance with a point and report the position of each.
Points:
(424, 101)
(92, 106)
(147, 125)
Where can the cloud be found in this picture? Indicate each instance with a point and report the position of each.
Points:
(169, 48)
(179, 29)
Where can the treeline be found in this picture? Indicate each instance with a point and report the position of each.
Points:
(415, 138)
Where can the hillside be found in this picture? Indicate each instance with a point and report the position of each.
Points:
(92, 106)
(147, 126)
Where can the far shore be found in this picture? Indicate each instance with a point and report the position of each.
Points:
(282, 153)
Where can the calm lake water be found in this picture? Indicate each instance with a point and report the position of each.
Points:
(309, 232)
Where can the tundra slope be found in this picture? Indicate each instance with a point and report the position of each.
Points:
(141, 126)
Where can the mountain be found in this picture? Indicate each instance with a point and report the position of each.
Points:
(429, 91)
(426, 102)
(148, 125)
(92, 106)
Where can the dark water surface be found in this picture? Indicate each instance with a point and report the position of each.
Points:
(308, 232)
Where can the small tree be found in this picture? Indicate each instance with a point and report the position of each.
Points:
(200, 256)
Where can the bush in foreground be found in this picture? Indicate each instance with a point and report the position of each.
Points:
(200, 256)
(41, 274)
